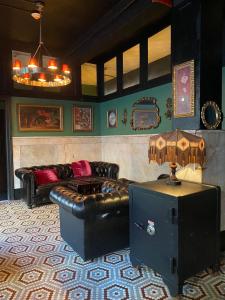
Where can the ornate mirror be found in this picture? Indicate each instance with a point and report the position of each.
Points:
(211, 115)
(145, 114)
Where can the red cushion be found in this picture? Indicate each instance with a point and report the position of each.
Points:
(46, 176)
(76, 167)
(81, 168)
(86, 167)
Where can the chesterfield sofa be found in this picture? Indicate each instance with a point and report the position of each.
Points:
(35, 194)
(94, 224)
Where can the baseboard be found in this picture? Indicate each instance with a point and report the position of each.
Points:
(18, 194)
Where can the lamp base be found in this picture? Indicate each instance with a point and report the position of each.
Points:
(173, 182)
(173, 179)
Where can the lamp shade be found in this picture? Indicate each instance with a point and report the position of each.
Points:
(33, 63)
(17, 64)
(177, 146)
(42, 77)
(52, 64)
(65, 69)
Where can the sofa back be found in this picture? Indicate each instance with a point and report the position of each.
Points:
(64, 171)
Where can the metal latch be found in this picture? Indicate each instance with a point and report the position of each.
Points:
(151, 228)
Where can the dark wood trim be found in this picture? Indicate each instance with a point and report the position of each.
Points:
(222, 240)
(9, 148)
(141, 39)
(137, 88)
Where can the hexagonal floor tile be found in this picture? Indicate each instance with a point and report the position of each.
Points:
(24, 261)
(153, 292)
(31, 276)
(7, 294)
(98, 274)
(194, 291)
(79, 292)
(42, 293)
(14, 239)
(38, 238)
(4, 276)
(131, 273)
(113, 258)
(116, 292)
(46, 248)
(18, 249)
(64, 275)
(54, 260)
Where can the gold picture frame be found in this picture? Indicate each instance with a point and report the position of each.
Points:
(183, 90)
(39, 117)
(82, 118)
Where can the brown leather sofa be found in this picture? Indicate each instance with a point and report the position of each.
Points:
(35, 194)
(94, 224)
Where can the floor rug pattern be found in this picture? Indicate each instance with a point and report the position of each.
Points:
(35, 263)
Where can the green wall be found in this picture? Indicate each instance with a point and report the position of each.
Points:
(67, 107)
(161, 93)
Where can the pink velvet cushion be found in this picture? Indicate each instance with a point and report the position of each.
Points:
(81, 168)
(46, 176)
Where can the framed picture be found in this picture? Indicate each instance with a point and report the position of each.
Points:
(112, 119)
(39, 117)
(142, 119)
(82, 118)
(183, 89)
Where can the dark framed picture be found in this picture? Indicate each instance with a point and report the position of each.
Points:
(183, 89)
(82, 118)
(40, 117)
(112, 118)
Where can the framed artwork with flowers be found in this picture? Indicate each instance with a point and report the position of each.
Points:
(183, 90)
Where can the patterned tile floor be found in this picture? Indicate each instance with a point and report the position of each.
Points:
(36, 264)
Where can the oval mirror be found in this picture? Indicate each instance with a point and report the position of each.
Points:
(211, 115)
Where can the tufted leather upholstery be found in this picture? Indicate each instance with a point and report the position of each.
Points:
(34, 194)
(94, 224)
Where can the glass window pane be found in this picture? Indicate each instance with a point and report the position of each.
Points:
(89, 79)
(131, 66)
(159, 54)
(110, 76)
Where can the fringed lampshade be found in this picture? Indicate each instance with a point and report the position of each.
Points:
(177, 147)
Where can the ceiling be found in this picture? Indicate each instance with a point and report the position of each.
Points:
(71, 22)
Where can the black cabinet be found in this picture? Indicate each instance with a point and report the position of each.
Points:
(174, 229)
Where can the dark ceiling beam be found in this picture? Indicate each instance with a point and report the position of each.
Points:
(14, 7)
(107, 28)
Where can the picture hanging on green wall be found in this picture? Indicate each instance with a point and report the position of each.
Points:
(82, 118)
(39, 117)
(112, 118)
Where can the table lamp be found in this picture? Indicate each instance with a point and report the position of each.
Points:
(176, 147)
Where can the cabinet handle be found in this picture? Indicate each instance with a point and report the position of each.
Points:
(140, 226)
(173, 265)
(173, 216)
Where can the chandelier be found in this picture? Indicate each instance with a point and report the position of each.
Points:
(34, 73)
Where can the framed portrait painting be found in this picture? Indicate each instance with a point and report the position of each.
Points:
(183, 90)
(82, 118)
(39, 117)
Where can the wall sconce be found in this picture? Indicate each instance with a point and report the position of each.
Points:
(124, 119)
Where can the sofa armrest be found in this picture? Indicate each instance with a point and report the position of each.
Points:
(28, 181)
(88, 206)
(104, 169)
